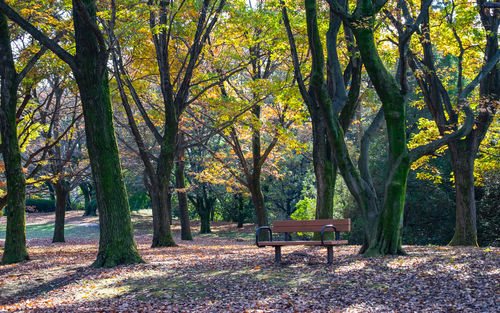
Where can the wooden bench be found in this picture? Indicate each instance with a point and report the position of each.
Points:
(287, 227)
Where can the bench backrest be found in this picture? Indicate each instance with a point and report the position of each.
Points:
(291, 226)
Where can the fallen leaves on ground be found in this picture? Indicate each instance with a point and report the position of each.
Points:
(213, 274)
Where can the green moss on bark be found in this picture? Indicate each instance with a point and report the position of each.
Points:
(15, 241)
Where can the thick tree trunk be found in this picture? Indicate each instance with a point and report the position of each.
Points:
(205, 221)
(116, 243)
(162, 234)
(325, 171)
(183, 202)
(463, 151)
(462, 160)
(258, 203)
(62, 195)
(15, 236)
(259, 207)
(387, 236)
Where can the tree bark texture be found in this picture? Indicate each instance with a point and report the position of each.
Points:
(62, 195)
(462, 159)
(182, 197)
(15, 237)
(116, 243)
(386, 239)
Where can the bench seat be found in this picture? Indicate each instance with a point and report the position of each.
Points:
(290, 226)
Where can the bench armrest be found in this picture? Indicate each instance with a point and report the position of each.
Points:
(257, 234)
(323, 232)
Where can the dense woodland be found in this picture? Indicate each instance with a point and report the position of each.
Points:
(250, 112)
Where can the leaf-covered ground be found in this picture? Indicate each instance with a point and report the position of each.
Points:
(225, 272)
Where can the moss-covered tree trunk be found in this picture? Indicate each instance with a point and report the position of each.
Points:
(325, 170)
(116, 243)
(382, 230)
(15, 237)
(182, 197)
(387, 236)
(62, 196)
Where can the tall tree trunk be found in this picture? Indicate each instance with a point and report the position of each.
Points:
(162, 234)
(258, 202)
(463, 151)
(259, 206)
(204, 210)
(89, 66)
(62, 196)
(386, 239)
(325, 170)
(182, 196)
(463, 171)
(326, 173)
(116, 243)
(15, 236)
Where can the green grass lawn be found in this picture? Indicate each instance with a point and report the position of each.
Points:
(41, 225)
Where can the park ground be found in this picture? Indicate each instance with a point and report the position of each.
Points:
(225, 272)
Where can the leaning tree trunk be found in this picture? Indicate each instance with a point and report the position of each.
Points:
(62, 196)
(116, 243)
(462, 160)
(15, 236)
(386, 238)
(183, 202)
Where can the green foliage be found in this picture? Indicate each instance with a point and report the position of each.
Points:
(41, 205)
(304, 209)
(139, 201)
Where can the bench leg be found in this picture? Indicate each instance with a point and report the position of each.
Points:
(329, 250)
(277, 254)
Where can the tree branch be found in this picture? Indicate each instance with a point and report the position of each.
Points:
(38, 35)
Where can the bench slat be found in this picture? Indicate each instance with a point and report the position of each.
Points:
(290, 226)
(302, 243)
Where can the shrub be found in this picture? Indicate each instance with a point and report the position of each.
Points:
(41, 205)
